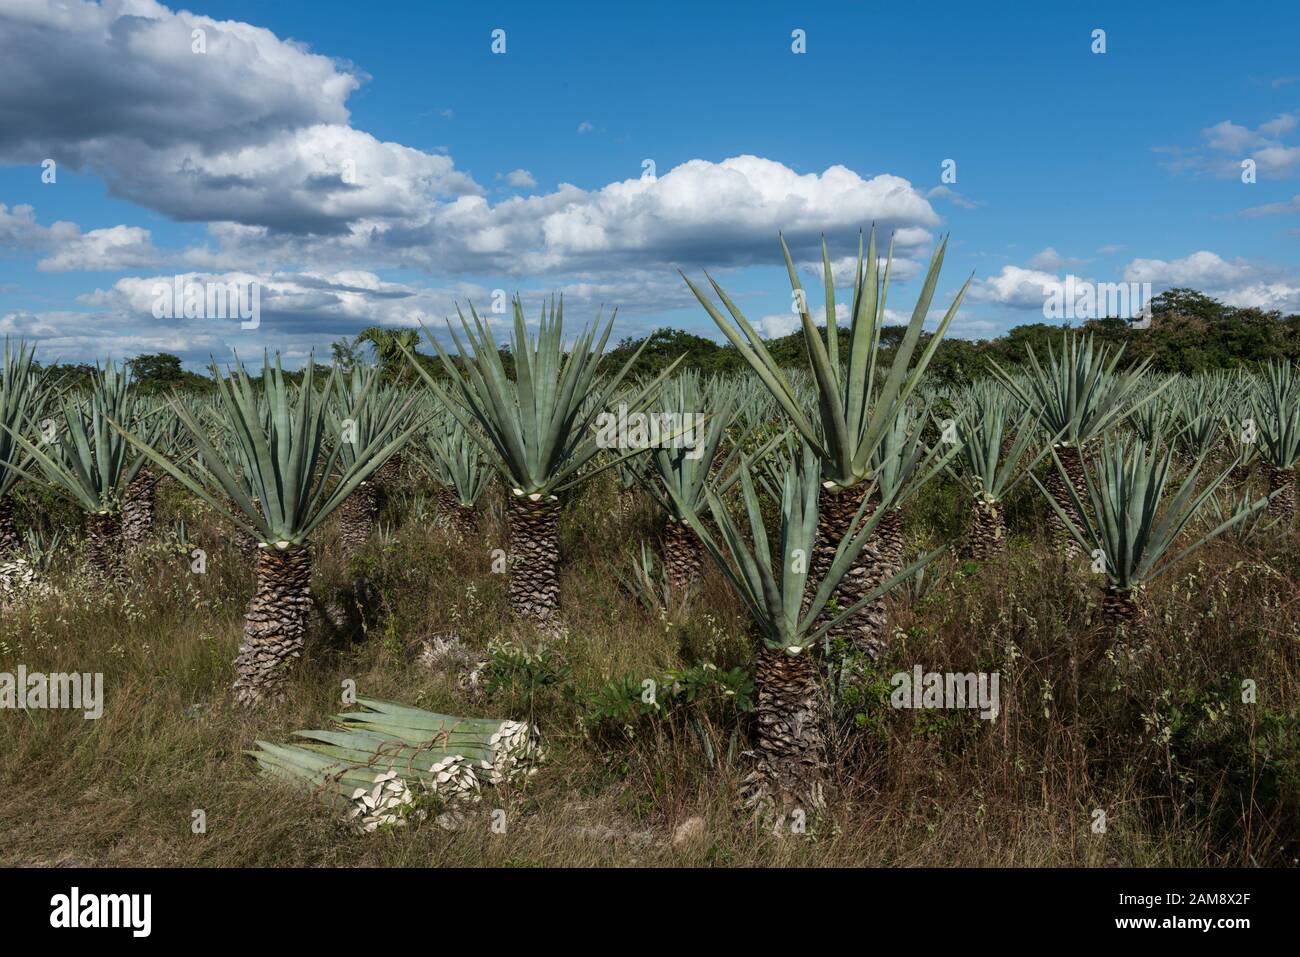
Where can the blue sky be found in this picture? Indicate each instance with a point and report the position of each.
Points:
(473, 171)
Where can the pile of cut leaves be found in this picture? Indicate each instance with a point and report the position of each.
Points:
(386, 761)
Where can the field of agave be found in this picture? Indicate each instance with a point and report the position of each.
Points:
(705, 632)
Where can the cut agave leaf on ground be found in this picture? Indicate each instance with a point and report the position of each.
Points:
(386, 757)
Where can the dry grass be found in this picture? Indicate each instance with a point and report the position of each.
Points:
(1151, 730)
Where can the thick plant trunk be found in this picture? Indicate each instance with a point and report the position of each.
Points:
(890, 534)
(390, 473)
(791, 751)
(1072, 460)
(14, 573)
(447, 500)
(357, 518)
(104, 547)
(10, 541)
(138, 510)
(683, 555)
(988, 530)
(462, 519)
(275, 624)
(1119, 609)
(865, 628)
(1283, 504)
(246, 542)
(534, 559)
(465, 519)
(447, 505)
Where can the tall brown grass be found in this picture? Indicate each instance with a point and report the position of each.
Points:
(1149, 729)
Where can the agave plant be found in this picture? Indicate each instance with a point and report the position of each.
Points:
(630, 476)
(361, 407)
(680, 472)
(89, 462)
(1197, 408)
(994, 434)
(455, 460)
(22, 395)
(650, 585)
(1154, 418)
(1077, 395)
(161, 429)
(1239, 429)
(1136, 524)
(275, 480)
(1251, 519)
(855, 414)
(537, 428)
(902, 464)
(791, 744)
(39, 548)
(1276, 405)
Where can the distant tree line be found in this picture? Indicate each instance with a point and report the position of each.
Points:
(1189, 333)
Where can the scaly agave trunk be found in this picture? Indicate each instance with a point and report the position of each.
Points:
(447, 500)
(449, 505)
(10, 541)
(683, 555)
(791, 752)
(890, 533)
(988, 530)
(12, 574)
(138, 510)
(1283, 505)
(357, 518)
(462, 519)
(465, 518)
(865, 628)
(1119, 609)
(534, 559)
(1072, 461)
(246, 543)
(104, 547)
(390, 473)
(275, 624)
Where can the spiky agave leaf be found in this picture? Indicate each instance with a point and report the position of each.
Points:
(1275, 401)
(22, 395)
(1079, 393)
(676, 478)
(538, 426)
(87, 459)
(388, 749)
(1136, 524)
(275, 469)
(994, 433)
(1195, 409)
(453, 457)
(901, 463)
(362, 409)
(514, 747)
(772, 590)
(1155, 418)
(1247, 519)
(853, 411)
(650, 585)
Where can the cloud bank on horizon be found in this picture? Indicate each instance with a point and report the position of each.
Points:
(210, 147)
